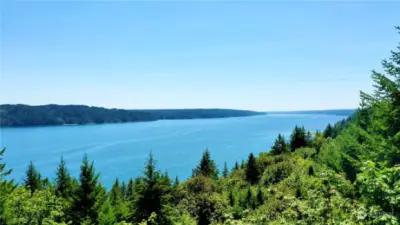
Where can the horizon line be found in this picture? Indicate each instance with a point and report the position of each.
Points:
(197, 108)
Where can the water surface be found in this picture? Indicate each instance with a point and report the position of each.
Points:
(120, 150)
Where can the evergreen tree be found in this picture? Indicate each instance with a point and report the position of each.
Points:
(117, 201)
(309, 139)
(236, 165)
(63, 181)
(260, 197)
(86, 204)
(115, 193)
(279, 146)
(6, 186)
(225, 172)
(152, 194)
(328, 132)
(166, 178)
(106, 216)
(130, 190)
(252, 171)
(385, 105)
(206, 167)
(381, 119)
(3, 171)
(176, 183)
(33, 178)
(46, 183)
(123, 189)
(249, 198)
(242, 164)
(298, 138)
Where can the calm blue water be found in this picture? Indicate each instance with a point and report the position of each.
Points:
(120, 150)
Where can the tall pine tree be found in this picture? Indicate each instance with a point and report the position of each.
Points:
(206, 167)
(123, 189)
(129, 190)
(151, 194)
(252, 171)
(3, 171)
(116, 197)
(6, 186)
(115, 193)
(63, 181)
(386, 98)
(225, 172)
(328, 132)
(242, 164)
(279, 146)
(236, 167)
(87, 201)
(33, 178)
(298, 138)
(106, 215)
(249, 199)
(176, 182)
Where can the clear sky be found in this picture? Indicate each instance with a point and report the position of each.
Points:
(241, 55)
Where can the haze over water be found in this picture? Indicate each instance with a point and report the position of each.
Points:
(120, 150)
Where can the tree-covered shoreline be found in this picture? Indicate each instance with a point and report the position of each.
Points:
(50, 115)
(347, 174)
(336, 112)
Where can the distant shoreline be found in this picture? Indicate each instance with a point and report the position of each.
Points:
(86, 124)
(74, 115)
(336, 112)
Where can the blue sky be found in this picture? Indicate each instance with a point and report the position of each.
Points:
(242, 55)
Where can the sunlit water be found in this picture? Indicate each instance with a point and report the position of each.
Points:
(120, 150)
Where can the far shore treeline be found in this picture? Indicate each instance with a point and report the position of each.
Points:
(16, 115)
(26, 115)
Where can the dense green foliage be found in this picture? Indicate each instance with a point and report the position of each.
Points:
(347, 174)
(25, 115)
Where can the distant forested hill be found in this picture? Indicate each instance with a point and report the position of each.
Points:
(25, 115)
(337, 112)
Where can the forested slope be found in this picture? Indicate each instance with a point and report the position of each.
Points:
(347, 174)
(26, 115)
